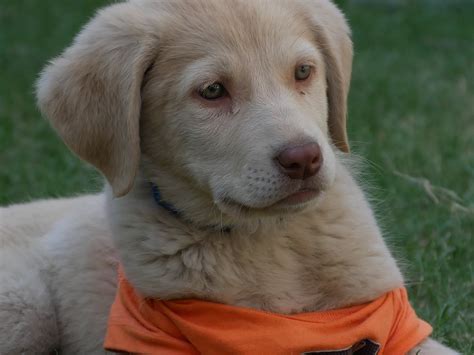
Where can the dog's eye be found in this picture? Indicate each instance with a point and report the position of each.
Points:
(302, 72)
(213, 91)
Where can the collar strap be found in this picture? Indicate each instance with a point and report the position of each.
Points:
(178, 214)
(166, 205)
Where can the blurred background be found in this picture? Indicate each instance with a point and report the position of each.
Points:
(411, 119)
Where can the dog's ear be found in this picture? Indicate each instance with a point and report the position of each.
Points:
(333, 37)
(91, 93)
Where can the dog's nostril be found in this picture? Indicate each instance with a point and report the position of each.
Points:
(301, 162)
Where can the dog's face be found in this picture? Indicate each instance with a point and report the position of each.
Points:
(243, 100)
(244, 113)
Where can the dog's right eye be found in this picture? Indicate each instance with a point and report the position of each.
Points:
(213, 91)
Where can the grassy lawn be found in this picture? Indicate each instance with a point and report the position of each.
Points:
(411, 117)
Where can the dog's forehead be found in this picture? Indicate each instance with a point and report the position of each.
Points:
(232, 40)
(201, 27)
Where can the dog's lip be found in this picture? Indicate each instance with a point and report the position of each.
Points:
(299, 197)
(296, 198)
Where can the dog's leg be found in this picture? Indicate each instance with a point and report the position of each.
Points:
(432, 347)
(82, 279)
(27, 316)
(28, 319)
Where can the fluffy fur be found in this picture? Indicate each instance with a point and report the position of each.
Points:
(125, 98)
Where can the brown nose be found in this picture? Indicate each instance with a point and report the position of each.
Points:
(302, 161)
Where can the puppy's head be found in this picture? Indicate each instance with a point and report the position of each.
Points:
(241, 103)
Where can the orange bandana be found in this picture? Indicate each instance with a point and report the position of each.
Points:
(387, 325)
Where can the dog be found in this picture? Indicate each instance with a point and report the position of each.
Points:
(220, 128)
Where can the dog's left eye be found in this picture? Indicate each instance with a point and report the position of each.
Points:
(302, 72)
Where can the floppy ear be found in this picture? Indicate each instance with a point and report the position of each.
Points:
(91, 93)
(333, 37)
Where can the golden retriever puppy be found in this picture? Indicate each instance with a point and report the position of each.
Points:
(220, 127)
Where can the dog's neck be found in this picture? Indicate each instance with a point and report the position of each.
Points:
(172, 210)
(330, 257)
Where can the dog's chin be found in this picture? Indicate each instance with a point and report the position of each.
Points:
(296, 202)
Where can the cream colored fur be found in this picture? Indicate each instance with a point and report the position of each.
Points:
(124, 97)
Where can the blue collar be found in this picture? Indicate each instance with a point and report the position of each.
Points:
(178, 214)
(167, 206)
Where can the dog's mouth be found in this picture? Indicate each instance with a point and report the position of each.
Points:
(294, 202)
(299, 197)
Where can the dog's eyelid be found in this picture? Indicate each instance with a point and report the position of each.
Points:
(313, 62)
(199, 75)
(202, 86)
(201, 82)
(308, 54)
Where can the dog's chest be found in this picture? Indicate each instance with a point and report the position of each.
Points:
(276, 272)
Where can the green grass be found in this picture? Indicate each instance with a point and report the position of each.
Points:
(411, 111)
